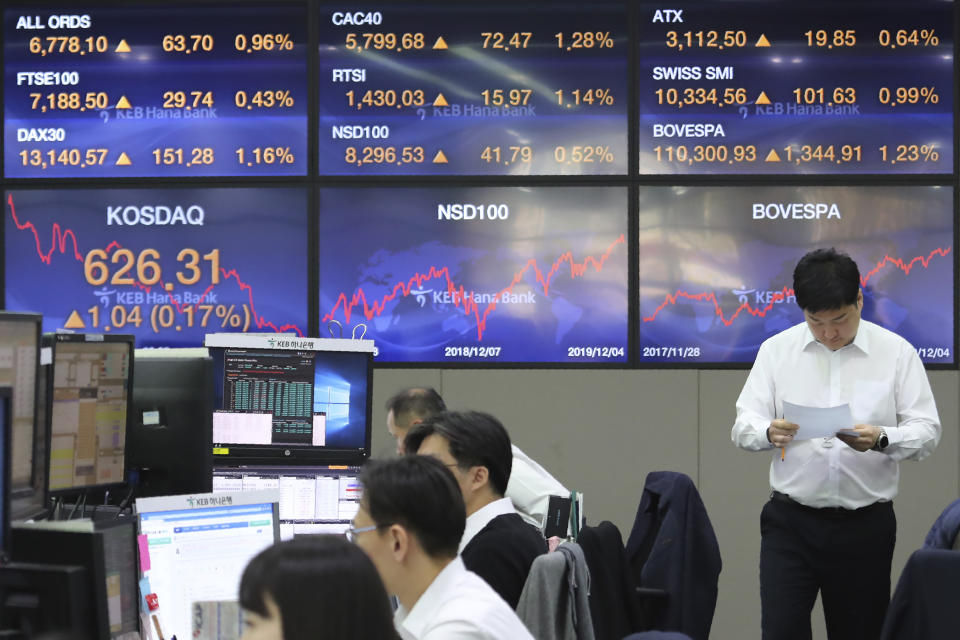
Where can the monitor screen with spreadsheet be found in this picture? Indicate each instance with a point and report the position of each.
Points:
(290, 401)
(89, 396)
(199, 545)
(313, 499)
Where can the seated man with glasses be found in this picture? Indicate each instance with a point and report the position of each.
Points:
(497, 544)
(410, 521)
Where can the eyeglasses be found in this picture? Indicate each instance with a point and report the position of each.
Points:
(351, 533)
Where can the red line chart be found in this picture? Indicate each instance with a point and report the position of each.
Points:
(462, 298)
(64, 241)
(779, 296)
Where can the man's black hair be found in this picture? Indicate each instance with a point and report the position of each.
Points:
(421, 494)
(415, 404)
(476, 439)
(826, 279)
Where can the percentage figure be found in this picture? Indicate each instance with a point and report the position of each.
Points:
(284, 41)
(604, 153)
(908, 95)
(604, 96)
(284, 155)
(909, 38)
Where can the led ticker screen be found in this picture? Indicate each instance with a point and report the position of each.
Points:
(795, 88)
(473, 89)
(166, 265)
(716, 265)
(478, 275)
(155, 91)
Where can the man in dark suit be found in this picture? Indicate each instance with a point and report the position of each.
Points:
(497, 544)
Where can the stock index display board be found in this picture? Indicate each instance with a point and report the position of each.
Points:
(474, 89)
(577, 121)
(786, 87)
(480, 274)
(167, 265)
(716, 265)
(155, 91)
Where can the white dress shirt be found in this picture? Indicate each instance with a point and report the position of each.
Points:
(480, 518)
(459, 605)
(882, 378)
(530, 488)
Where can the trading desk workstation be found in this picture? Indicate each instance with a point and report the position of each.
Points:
(232, 229)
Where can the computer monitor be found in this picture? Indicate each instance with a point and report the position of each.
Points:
(42, 598)
(168, 444)
(288, 400)
(199, 546)
(6, 423)
(89, 398)
(313, 499)
(106, 549)
(19, 366)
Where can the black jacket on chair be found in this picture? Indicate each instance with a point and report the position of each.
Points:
(613, 604)
(673, 547)
(924, 604)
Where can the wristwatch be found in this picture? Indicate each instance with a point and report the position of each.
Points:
(882, 441)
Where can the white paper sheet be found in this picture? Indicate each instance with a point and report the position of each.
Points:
(818, 422)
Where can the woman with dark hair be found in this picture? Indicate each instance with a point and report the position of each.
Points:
(314, 588)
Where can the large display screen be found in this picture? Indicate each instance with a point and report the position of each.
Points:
(716, 265)
(796, 88)
(488, 88)
(155, 90)
(479, 275)
(167, 265)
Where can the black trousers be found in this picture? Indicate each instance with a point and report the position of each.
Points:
(844, 555)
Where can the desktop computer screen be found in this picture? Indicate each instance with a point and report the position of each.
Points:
(89, 395)
(19, 363)
(313, 499)
(290, 400)
(199, 545)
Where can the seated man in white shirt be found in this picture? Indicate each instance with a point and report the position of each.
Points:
(410, 521)
(411, 407)
(530, 485)
(497, 544)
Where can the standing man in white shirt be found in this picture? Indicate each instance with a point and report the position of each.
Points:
(410, 522)
(829, 525)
